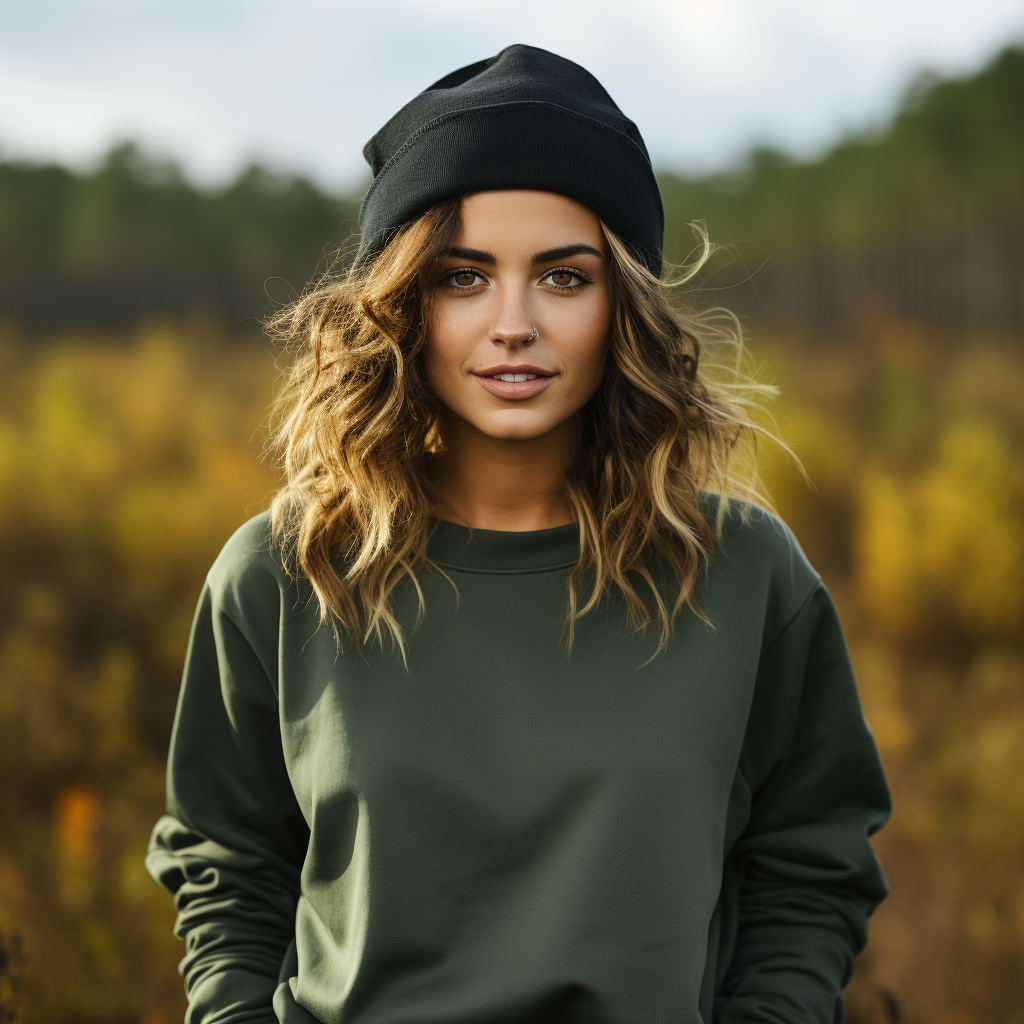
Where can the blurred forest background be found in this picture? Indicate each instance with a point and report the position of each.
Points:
(883, 288)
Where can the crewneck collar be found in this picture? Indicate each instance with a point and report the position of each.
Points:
(503, 550)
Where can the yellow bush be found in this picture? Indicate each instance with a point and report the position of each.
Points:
(948, 539)
(971, 537)
(886, 552)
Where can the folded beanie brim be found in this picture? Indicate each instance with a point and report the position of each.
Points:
(521, 143)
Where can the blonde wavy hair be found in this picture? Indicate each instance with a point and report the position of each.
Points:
(356, 424)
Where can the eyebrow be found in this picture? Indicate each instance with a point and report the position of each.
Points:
(563, 252)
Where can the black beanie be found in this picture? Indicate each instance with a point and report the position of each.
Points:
(526, 118)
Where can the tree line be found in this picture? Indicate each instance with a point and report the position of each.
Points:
(925, 215)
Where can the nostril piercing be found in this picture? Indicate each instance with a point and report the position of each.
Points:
(534, 335)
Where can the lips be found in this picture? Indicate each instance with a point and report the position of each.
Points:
(514, 382)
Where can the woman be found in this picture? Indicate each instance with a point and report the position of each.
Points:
(516, 707)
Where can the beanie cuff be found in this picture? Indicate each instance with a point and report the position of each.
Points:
(528, 144)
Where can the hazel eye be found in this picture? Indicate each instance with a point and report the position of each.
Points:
(461, 279)
(566, 280)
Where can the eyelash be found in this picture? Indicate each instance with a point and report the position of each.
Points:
(583, 279)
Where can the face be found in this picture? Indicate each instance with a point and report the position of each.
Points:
(520, 313)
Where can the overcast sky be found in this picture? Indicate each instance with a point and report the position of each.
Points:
(302, 85)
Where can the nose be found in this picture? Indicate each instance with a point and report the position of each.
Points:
(513, 325)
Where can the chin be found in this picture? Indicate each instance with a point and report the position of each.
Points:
(514, 427)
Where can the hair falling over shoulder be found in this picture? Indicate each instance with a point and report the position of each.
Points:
(356, 423)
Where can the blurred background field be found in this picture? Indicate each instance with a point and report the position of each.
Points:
(882, 289)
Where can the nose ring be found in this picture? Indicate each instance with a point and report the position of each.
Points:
(534, 335)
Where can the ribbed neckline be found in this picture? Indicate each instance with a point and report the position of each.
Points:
(501, 550)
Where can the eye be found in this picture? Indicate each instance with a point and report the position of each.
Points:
(564, 279)
(462, 280)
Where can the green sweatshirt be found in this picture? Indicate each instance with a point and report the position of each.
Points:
(500, 834)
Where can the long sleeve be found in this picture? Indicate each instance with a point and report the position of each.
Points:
(804, 874)
(493, 830)
(231, 847)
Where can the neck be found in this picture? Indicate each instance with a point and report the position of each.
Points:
(495, 484)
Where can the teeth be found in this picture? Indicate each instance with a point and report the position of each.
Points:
(515, 378)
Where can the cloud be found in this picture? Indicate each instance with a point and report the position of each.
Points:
(302, 86)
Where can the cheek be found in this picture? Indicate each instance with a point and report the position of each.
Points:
(433, 362)
(444, 351)
(591, 330)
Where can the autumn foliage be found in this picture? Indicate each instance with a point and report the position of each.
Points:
(886, 303)
(125, 463)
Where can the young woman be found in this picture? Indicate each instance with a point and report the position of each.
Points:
(516, 707)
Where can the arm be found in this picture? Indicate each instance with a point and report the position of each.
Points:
(232, 845)
(807, 878)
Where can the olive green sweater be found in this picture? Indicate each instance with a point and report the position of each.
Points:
(501, 834)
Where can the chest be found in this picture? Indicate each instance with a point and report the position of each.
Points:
(491, 710)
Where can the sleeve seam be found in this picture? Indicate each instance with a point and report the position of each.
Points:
(266, 675)
(788, 750)
(789, 622)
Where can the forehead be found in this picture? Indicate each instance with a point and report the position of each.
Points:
(526, 221)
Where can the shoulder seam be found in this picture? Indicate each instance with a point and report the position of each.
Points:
(789, 622)
(266, 675)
